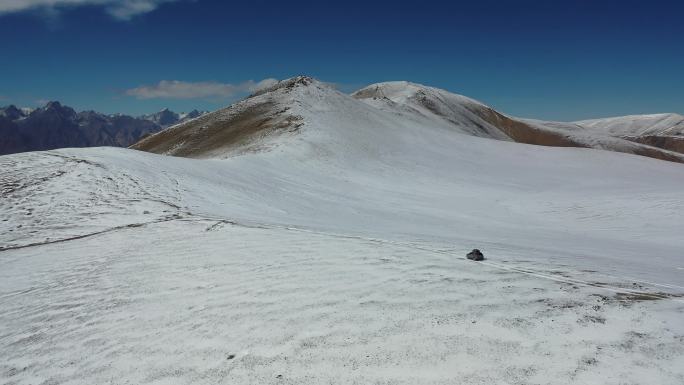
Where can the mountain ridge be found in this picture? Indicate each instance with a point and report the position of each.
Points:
(254, 122)
(56, 126)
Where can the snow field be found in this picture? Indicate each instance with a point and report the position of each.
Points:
(232, 304)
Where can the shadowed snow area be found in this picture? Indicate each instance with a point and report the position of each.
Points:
(327, 245)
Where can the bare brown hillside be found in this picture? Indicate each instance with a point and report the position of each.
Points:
(521, 132)
(220, 131)
(670, 143)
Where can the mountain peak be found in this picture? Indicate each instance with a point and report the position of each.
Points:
(53, 105)
(11, 112)
(289, 84)
(56, 108)
(164, 118)
(400, 91)
(301, 80)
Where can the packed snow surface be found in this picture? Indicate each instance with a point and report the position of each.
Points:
(337, 256)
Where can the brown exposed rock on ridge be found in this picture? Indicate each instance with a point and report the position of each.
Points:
(207, 134)
(670, 143)
(524, 133)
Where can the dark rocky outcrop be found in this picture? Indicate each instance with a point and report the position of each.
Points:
(475, 255)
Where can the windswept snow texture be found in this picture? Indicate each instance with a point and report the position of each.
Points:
(332, 250)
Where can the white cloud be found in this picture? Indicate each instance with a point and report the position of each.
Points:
(263, 84)
(176, 89)
(119, 9)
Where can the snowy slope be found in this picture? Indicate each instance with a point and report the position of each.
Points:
(327, 246)
(625, 134)
(665, 131)
(407, 98)
(657, 124)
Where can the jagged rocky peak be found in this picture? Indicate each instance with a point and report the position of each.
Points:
(163, 118)
(53, 108)
(183, 117)
(192, 114)
(53, 105)
(166, 116)
(11, 112)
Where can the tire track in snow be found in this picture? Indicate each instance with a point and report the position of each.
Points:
(449, 253)
(614, 289)
(130, 225)
(529, 272)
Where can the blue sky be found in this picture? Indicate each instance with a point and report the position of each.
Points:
(562, 60)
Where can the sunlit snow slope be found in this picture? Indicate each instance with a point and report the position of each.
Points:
(655, 136)
(321, 239)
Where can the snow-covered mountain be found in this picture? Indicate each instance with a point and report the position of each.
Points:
(664, 131)
(660, 130)
(166, 117)
(285, 108)
(648, 135)
(656, 124)
(185, 116)
(317, 237)
(163, 118)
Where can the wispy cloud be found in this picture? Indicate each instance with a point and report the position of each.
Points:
(176, 89)
(119, 9)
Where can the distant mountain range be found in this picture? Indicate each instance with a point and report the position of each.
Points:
(56, 126)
